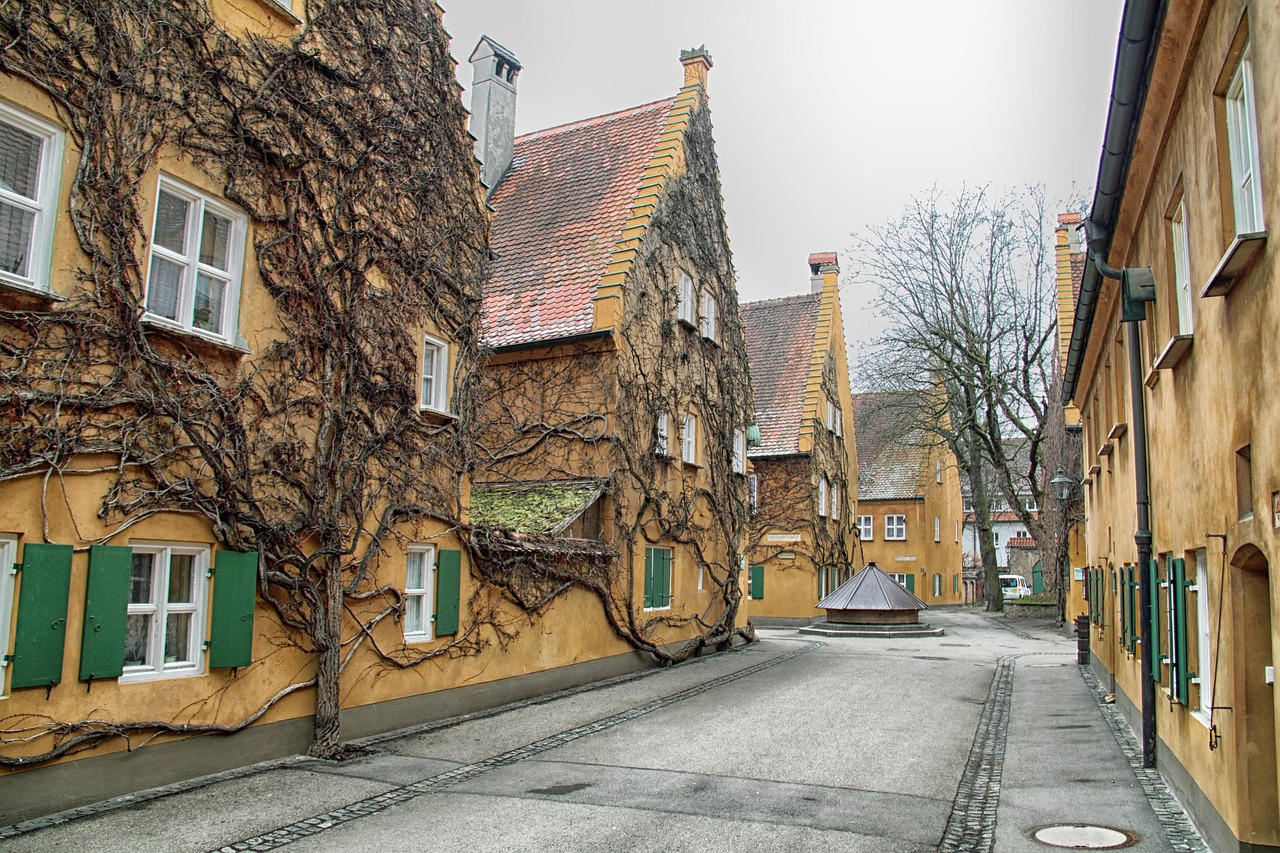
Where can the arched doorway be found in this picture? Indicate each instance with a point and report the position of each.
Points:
(1253, 699)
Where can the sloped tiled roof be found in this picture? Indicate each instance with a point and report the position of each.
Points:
(816, 258)
(891, 452)
(545, 507)
(779, 335)
(558, 214)
(871, 589)
(1021, 542)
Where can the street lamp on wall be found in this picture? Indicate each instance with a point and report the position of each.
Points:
(1062, 484)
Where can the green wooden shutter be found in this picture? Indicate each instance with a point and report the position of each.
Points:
(235, 583)
(448, 591)
(911, 582)
(1124, 610)
(1178, 592)
(757, 581)
(1134, 611)
(663, 595)
(648, 577)
(106, 604)
(1102, 600)
(1153, 585)
(42, 615)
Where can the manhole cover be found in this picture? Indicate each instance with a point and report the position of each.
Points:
(1078, 836)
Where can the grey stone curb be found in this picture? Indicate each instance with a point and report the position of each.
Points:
(1183, 836)
(372, 805)
(971, 828)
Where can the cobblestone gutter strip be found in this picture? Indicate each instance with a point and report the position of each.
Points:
(1183, 837)
(372, 805)
(972, 825)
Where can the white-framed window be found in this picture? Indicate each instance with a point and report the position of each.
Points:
(689, 439)
(937, 470)
(164, 625)
(1181, 268)
(753, 493)
(835, 418)
(866, 527)
(739, 451)
(419, 586)
(901, 578)
(435, 375)
(937, 585)
(937, 529)
(822, 496)
(1242, 146)
(708, 323)
(8, 557)
(957, 530)
(895, 527)
(30, 166)
(662, 435)
(197, 256)
(1204, 667)
(835, 499)
(685, 308)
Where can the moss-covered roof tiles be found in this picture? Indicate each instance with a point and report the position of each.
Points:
(531, 508)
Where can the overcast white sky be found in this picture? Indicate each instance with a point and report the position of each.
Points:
(829, 114)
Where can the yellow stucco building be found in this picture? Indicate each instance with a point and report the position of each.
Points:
(1179, 373)
(910, 511)
(805, 473)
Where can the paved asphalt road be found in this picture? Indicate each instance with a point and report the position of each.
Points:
(964, 742)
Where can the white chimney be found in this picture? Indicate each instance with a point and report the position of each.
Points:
(493, 107)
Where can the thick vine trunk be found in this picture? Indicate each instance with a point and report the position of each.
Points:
(328, 724)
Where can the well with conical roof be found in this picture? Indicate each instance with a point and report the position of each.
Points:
(871, 603)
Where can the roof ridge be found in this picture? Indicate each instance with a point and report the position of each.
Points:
(753, 303)
(574, 125)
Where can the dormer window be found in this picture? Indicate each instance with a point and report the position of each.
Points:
(685, 309)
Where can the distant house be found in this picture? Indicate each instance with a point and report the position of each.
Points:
(617, 358)
(909, 506)
(805, 470)
(1005, 523)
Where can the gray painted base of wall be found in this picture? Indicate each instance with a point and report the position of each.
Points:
(1207, 821)
(783, 621)
(43, 791)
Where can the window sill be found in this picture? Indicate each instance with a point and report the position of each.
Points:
(141, 677)
(1117, 431)
(437, 414)
(656, 609)
(1236, 261)
(162, 326)
(30, 290)
(1152, 378)
(1174, 352)
(410, 639)
(1095, 469)
(1106, 448)
(287, 15)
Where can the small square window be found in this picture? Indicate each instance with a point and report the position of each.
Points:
(419, 583)
(435, 375)
(30, 166)
(895, 527)
(197, 255)
(866, 527)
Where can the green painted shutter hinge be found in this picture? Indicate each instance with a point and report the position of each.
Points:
(8, 658)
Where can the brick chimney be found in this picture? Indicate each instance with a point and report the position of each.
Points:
(494, 70)
(823, 268)
(696, 62)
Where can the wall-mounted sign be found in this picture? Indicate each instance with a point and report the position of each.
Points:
(782, 537)
(786, 555)
(905, 559)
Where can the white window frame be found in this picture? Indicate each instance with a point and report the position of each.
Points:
(822, 497)
(753, 494)
(957, 522)
(685, 308)
(937, 585)
(425, 594)
(1181, 268)
(867, 528)
(708, 323)
(937, 528)
(900, 577)
(689, 439)
(1242, 147)
(835, 418)
(439, 401)
(159, 610)
(835, 500)
(662, 435)
(197, 203)
(8, 571)
(937, 470)
(895, 528)
(1204, 666)
(739, 451)
(43, 207)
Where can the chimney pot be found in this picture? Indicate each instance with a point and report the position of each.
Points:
(494, 70)
(696, 62)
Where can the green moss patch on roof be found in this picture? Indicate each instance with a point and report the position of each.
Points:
(530, 508)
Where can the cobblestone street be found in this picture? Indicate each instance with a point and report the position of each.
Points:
(965, 742)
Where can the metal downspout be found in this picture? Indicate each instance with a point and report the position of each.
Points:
(1142, 538)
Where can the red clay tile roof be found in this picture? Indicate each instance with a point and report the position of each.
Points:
(558, 214)
(1020, 542)
(1068, 218)
(891, 451)
(779, 334)
(822, 258)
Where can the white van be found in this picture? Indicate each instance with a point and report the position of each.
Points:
(1014, 586)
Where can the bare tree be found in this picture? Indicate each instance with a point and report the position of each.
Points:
(967, 286)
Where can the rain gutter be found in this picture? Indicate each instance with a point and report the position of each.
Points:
(1135, 58)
